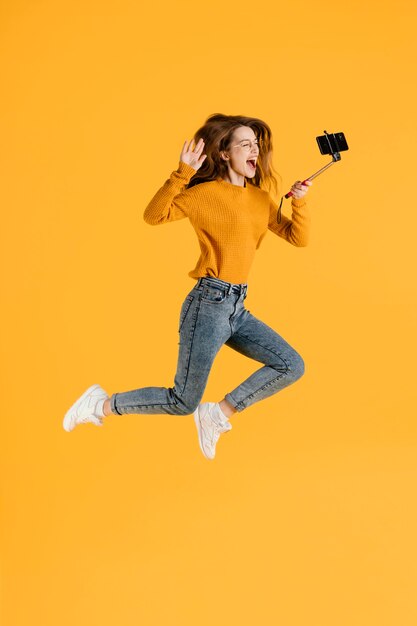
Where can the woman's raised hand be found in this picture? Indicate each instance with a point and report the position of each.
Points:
(193, 157)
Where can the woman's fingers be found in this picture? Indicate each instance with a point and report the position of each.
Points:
(302, 185)
(193, 156)
(184, 148)
(199, 147)
(299, 188)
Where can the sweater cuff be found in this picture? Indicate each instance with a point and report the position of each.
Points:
(186, 170)
(298, 202)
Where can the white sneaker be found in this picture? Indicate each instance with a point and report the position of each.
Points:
(88, 408)
(211, 423)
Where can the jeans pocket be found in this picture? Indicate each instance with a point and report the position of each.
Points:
(214, 295)
(184, 310)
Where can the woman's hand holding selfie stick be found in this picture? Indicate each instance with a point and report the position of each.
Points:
(299, 189)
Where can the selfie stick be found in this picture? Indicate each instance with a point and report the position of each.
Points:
(335, 157)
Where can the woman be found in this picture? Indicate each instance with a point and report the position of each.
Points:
(222, 193)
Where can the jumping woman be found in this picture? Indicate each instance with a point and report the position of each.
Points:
(222, 192)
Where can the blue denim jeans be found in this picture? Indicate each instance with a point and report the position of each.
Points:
(213, 314)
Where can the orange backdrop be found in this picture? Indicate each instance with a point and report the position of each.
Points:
(307, 515)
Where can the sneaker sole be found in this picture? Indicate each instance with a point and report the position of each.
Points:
(200, 441)
(67, 418)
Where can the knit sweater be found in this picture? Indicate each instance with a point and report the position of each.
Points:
(230, 221)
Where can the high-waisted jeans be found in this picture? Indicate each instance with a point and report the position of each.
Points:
(214, 314)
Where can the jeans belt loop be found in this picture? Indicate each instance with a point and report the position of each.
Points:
(229, 291)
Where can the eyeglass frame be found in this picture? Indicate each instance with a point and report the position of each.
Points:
(255, 142)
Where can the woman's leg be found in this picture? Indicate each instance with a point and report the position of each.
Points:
(203, 329)
(282, 364)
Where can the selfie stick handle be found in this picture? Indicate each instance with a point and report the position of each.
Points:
(336, 154)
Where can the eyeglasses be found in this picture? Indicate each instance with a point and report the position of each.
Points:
(246, 144)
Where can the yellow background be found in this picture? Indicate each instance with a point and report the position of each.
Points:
(307, 516)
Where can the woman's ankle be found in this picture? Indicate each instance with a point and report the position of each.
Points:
(106, 407)
(227, 408)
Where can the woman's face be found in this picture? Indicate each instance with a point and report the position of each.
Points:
(243, 152)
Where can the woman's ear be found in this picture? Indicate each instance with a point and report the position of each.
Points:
(224, 156)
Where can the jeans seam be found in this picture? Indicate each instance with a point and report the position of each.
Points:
(230, 317)
(268, 384)
(190, 301)
(137, 406)
(147, 406)
(187, 370)
(241, 403)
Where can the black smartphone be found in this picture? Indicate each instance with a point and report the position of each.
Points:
(331, 143)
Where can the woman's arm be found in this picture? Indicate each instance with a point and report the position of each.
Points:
(296, 230)
(170, 201)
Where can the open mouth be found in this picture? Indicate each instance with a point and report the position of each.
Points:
(251, 163)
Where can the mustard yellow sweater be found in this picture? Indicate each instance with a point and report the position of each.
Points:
(230, 221)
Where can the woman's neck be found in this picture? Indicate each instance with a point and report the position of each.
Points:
(235, 179)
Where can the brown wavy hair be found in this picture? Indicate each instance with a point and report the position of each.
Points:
(217, 133)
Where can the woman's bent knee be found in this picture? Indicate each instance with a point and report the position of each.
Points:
(297, 366)
(184, 405)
